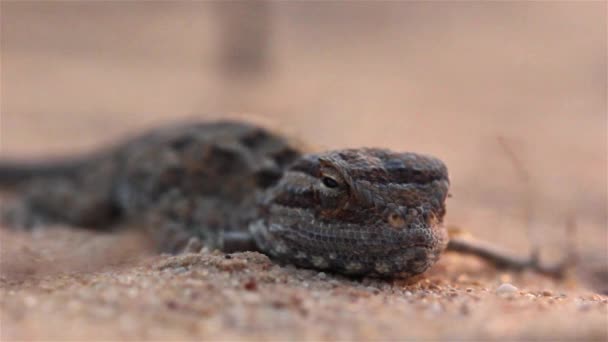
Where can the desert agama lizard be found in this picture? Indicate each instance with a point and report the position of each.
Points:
(236, 186)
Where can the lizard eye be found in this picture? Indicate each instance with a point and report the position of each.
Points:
(329, 182)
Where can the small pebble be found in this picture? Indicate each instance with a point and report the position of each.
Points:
(583, 306)
(179, 270)
(435, 308)
(506, 288)
(30, 301)
(547, 293)
(250, 285)
(465, 310)
(334, 283)
(193, 245)
(373, 290)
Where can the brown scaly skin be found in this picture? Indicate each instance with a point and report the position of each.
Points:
(236, 186)
(357, 211)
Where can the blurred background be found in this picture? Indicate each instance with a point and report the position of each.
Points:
(511, 95)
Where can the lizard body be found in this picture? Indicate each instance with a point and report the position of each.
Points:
(236, 186)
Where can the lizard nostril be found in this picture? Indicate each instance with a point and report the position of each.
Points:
(396, 220)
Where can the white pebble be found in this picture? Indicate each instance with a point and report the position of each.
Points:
(506, 288)
(435, 308)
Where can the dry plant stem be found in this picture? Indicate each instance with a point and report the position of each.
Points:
(505, 259)
(529, 194)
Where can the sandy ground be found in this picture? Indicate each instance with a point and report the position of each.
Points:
(459, 81)
(247, 296)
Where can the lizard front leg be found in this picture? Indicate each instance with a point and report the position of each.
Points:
(181, 222)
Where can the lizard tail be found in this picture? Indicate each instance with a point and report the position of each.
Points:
(14, 174)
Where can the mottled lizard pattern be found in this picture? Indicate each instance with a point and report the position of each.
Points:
(236, 186)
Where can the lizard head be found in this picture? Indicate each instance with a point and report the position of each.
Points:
(357, 211)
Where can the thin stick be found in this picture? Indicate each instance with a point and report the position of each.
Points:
(528, 198)
(504, 259)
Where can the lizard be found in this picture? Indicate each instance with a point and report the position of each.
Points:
(235, 186)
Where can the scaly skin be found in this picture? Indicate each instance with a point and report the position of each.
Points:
(236, 186)
(357, 211)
